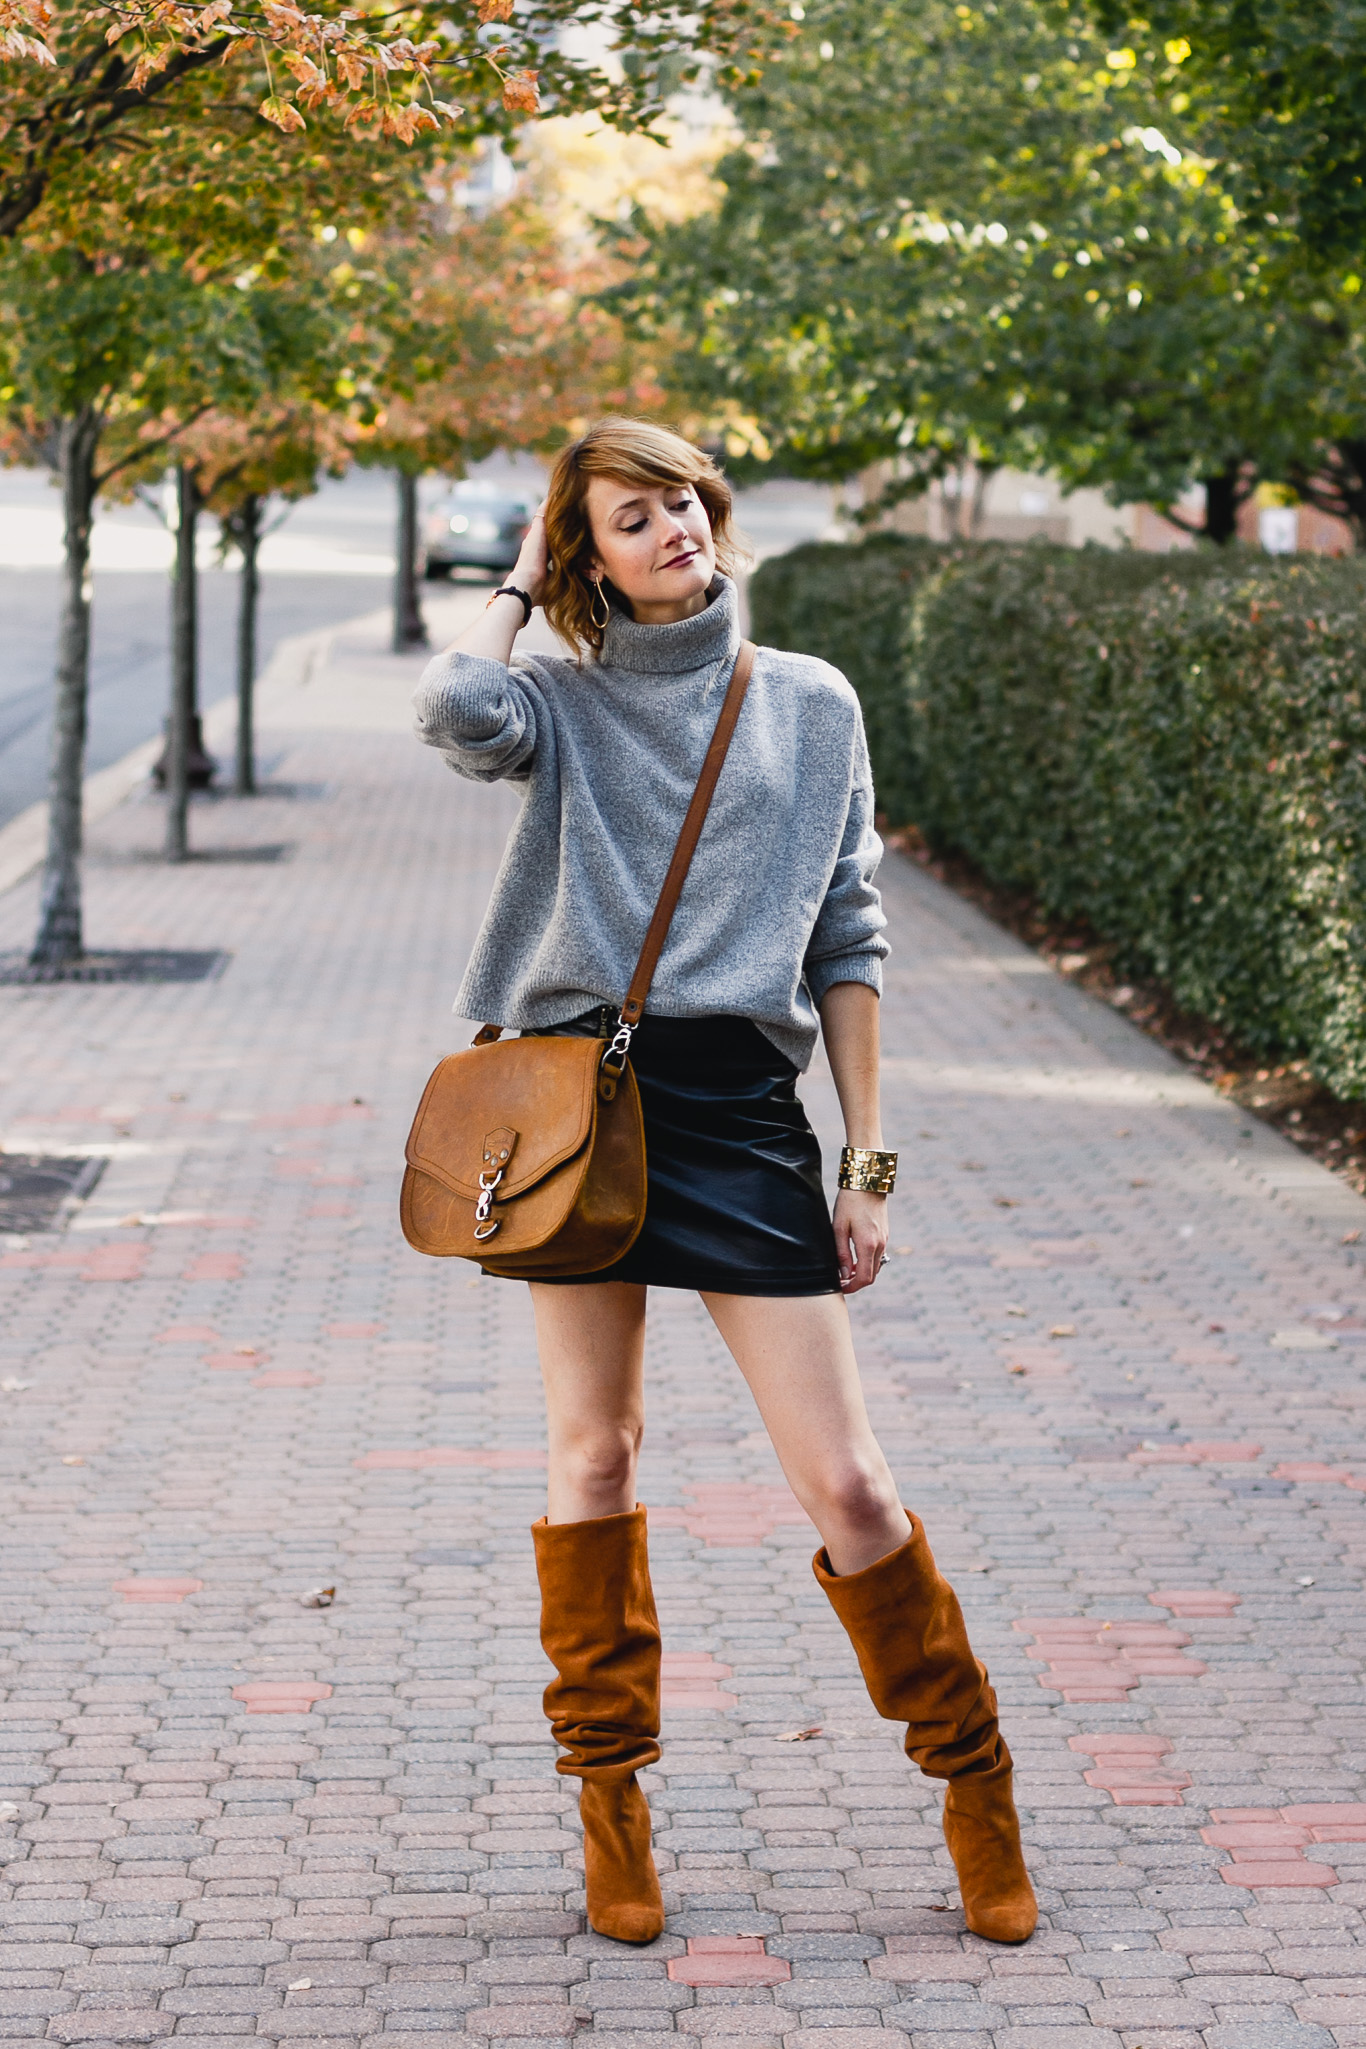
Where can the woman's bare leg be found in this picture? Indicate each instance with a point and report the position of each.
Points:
(591, 1339)
(797, 1354)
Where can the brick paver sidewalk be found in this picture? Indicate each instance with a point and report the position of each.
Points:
(1116, 1365)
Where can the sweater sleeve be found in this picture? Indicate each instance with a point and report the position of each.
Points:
(478, 714)
(846, 943)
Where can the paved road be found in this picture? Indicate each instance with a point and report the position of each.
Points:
(1117, 1364)
(331, 557)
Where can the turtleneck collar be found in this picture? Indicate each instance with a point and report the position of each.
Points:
(685, 644)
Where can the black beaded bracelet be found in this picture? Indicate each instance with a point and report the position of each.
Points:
(510, 590)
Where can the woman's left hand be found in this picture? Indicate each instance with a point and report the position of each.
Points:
(860, 1237)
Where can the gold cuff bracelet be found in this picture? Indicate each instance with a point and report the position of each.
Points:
(864, 1167)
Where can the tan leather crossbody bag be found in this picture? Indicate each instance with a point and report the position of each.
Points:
(529, 1156)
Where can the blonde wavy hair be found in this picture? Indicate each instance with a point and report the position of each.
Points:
(630, 452)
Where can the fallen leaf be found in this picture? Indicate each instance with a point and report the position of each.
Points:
(318, 1597)
(300, 1985)
(245, 1351)
(1306, 1581)
(973, 1166)
(1140, 1183)
(1216, 1326)
(1019, 1369)
(800, 1735)
(73, 1458)
(939, 1910)
(1351, 1237)
(1014, 1309)
(127, 1223)
(1005, 1202)
(1063, 1330)
(8, 1810)
(1122, 1131)
(14, 1386)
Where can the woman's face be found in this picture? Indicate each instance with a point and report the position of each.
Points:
(654, 542)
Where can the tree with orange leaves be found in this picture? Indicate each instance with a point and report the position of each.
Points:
(81, 78)
(490, 336)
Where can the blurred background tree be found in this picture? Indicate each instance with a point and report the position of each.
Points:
(979, 236)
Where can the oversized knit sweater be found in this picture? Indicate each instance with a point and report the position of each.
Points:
(779, 903)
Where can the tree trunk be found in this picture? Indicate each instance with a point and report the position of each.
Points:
(245, 528)
(410, 629)
(1221, 505)
(184, 666)
(59, 919)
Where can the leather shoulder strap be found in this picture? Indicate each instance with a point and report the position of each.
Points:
(658, 932)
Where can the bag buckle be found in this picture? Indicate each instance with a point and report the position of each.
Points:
(485, 1223)
(612, 1065)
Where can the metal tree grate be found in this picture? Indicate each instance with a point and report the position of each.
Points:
(149, 965)
(38, 1189)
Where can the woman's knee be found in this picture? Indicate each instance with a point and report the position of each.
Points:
(858, 1495)
(603, 1456)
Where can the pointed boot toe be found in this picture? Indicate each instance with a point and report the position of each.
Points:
(624, 1900)
(983, 1835)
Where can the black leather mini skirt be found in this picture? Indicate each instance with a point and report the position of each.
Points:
(734, 1203)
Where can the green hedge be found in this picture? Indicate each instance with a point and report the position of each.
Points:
(1173, 747)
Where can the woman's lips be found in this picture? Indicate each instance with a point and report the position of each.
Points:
(681, 561)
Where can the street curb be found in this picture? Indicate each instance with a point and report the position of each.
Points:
(23, 842)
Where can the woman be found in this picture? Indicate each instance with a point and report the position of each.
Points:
(778, 920)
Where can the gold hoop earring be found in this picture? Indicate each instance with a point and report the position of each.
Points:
(598, 592)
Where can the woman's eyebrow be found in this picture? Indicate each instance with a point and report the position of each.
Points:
(627, 505)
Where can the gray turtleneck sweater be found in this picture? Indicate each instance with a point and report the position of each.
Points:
(779, 903)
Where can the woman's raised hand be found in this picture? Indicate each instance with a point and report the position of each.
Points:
(530, 572)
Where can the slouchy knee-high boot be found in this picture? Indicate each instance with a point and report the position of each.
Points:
(600, 1631)
(907, 1628)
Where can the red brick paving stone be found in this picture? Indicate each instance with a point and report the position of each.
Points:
(1266, 1850)
(236, 1362)
(157, 1591)
(288, 1376)
(1312, 1474)
(1098, 1660)
(189, 1334)
(721, 1512)
(115, 1263)
(1197, 1455)
(733, 1960)
(509, 1459)
(353, 1330)
(688, 1679)
(281, 1696)
(1197, 1602)
(1127, 1768)
(215, 1266)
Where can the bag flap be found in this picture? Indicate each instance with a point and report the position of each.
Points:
(541, 1091)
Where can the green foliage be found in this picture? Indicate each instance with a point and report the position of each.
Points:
(1172, 747)
(849, 606)
(1278, 88)
(982, 233)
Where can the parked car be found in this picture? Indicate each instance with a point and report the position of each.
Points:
(479, 526)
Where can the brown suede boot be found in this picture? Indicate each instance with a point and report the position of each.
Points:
(907, 1628)
(600, 1631)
